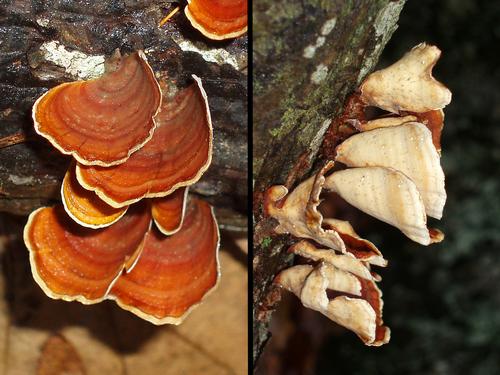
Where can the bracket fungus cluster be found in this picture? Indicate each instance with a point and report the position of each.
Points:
(218, 19)
(392, 172)
(129, 142)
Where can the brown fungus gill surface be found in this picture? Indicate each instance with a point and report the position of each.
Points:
(157, 278)
(218, 19)
(84, 206)
(179, 152)
(168, 212)
(104, 120)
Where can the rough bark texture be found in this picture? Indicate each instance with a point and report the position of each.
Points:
(40, 46)
(308, 56)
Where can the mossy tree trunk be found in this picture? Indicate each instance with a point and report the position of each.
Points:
(308, 56)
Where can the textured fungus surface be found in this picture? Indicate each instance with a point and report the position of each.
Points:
(159, 278)
(71, 262)
(102, 121)
(168, 212)
(219, 19)
(84, 206)
(177, 155)
(174, 273)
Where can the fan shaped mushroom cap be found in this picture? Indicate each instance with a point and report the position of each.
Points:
(408, 84)
(71, 262)
(174, 273)
(177, 155)
(84, 206)
(102, 121)
(407, 148)
(388, 195)
(218, 19)
(297, 211)
(161, 279)
(168, 212)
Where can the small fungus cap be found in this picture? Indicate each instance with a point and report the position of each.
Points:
(104, 120)
(218, 19)
(408, 84)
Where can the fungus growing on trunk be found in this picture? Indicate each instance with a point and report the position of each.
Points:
(96, 247)
(218, 19)
(104, 120)
(408, 84)
(156, 170)
(388, 195)
(415, 156)
(396, 177)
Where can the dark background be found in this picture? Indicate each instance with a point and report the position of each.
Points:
(442, 302)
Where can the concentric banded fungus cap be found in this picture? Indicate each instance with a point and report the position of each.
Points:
(168, 212)
(218, 19)
(407, 148)
(388, 195)
(408, 84)
(161, 279)
(72, 262)
(84, 206)
(102, 121)
(174, 273)
(177, 155)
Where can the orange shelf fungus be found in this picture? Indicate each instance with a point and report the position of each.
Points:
(127, 146)
(84, 206)
(174, 273)
(102, 121)
(168, 212)
(161, 279)
(71, 262)
(218, 19)
(177, 155)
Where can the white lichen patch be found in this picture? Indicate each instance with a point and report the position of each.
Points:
(75, 63)
(319, 74)
(216, 55)
(326, 29)
(44, 22)
(328, 26)
(386, 18)
(19, 180)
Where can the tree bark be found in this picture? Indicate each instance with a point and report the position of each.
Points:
(40, 45)
(308, 56)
